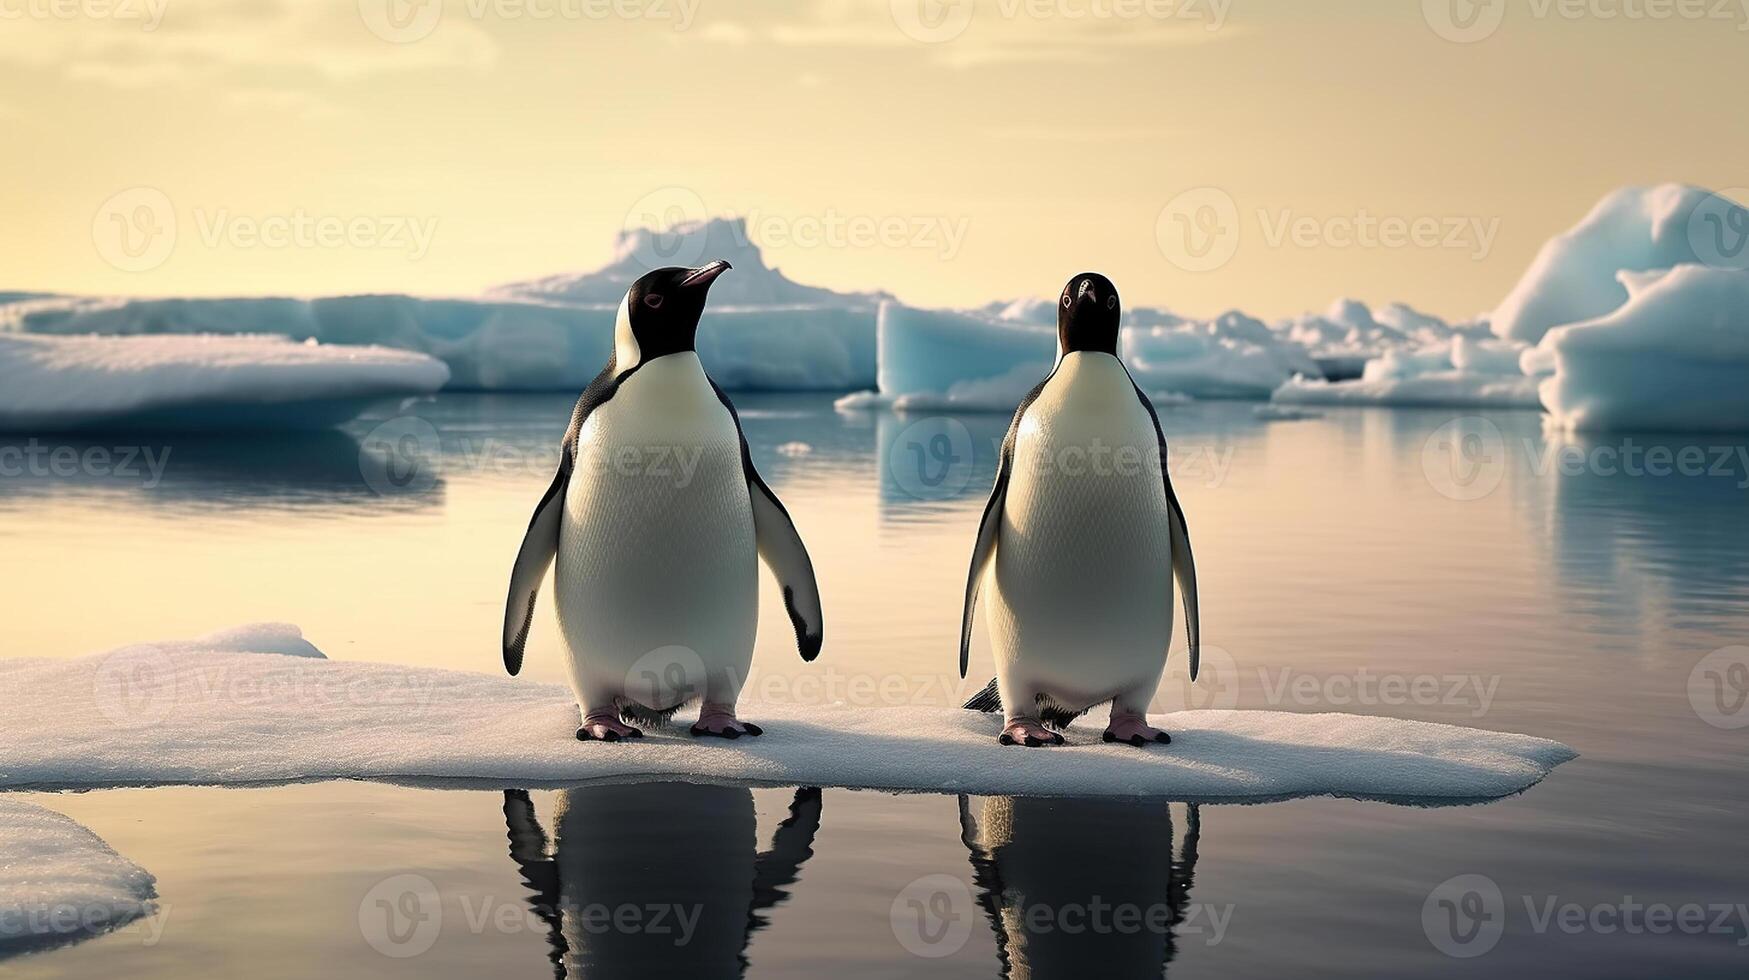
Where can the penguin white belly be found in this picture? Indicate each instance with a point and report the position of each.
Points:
(657, 578)
(1081, 584)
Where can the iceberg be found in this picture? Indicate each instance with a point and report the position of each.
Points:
(761, 332)
(198, 382)
(1576, 275)
(988, 359)
(1460, 373)
(60, 883)
(220, 711)
(1673, 358)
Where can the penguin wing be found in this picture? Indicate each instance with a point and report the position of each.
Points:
(540, 543)
(782, 548)
(985, 548)
(1183, 562)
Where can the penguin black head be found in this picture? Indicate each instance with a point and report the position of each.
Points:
(662, 310)
(1087, 315)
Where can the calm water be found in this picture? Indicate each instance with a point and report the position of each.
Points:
(1390, 562)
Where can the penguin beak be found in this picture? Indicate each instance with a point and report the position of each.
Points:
(704, 275)
(1088, 295)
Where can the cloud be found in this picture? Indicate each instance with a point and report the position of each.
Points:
(976, 33)
(199, 40)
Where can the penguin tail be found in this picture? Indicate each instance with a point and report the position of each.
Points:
(633, 713)
(987, 700)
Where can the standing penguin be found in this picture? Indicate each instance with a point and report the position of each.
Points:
(658, 519)
(1080, 542)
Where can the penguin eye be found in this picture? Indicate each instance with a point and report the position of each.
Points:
(1065, 301)
(653, 301)
(1111, 302)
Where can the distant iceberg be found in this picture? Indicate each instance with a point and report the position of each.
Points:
(1459, 373)
(198, 382)
(60, 883)
(762, 331)
(1673, 358)
(222, 711)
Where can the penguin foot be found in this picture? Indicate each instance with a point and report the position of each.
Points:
(721, 723)
(606, 728)
(1027, 732)
(1136, 732)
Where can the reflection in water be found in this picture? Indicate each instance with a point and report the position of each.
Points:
(656, 879)
(324, 470)
(1645, 522)
(1079, 888)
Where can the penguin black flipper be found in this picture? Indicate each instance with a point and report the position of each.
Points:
(1183, 562)
(782, 548)
(540, 544)
(791, 846)
(985, 549)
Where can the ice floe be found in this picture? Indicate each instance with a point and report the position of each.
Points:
(60, 883)
(198, 382)
(221, 711)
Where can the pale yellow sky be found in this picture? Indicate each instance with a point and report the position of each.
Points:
(1269, 155)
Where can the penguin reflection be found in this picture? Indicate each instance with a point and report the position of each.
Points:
(656, 879)
(1079, 888)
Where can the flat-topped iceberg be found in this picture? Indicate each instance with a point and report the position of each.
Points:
(60, 883)
(198, 382)
(231, 709)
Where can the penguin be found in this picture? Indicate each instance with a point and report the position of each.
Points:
(656, 879)
(1083, 887)
(1080, 542)
(656, 521)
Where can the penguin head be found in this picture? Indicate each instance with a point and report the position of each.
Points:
(1087, 315)
(661, 312)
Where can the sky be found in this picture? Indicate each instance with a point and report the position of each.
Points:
(1267, 155)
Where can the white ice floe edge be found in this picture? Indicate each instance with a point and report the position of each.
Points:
(197, 713)
(60, 883)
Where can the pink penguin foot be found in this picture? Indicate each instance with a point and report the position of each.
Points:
(605, 728)
(1136, 731)
(1027, 732)
(720, 723)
